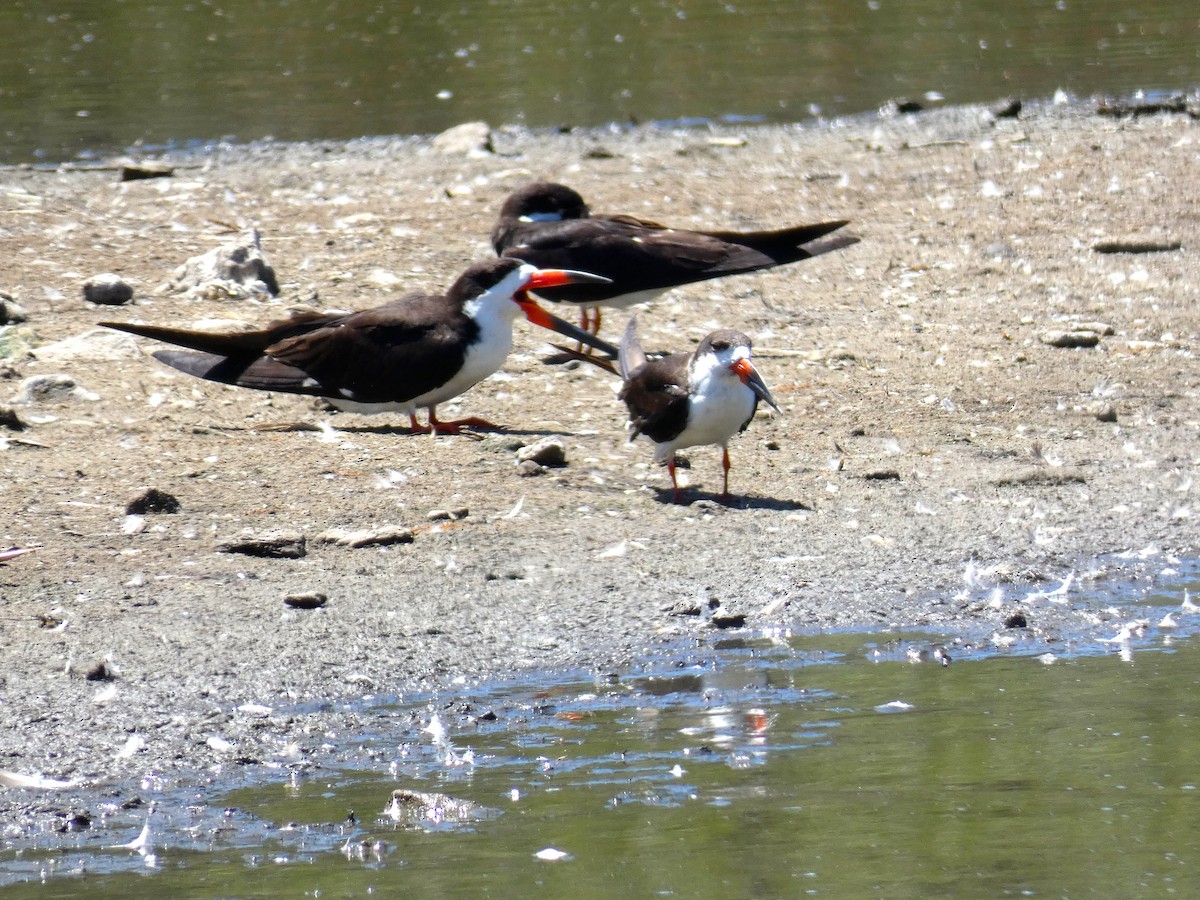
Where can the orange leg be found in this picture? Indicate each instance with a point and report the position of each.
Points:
(455, 426)
(674, 481)
(589, 321)
(725, 466)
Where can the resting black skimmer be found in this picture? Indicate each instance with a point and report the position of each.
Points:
(691, 399)
(549, 225)
(413, 353)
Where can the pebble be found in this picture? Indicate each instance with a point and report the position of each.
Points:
(1008, 108)
(1103, 411)
(448, 515)
(10, 312)
(152, 500)
(727, 618)
(54, 388)
(310, 600)
(97, 344)
(882, 475)
(9, 419)
(548, 452)
(107, 290)
(271, 544)
(467, 139)
(529, 469)
(139, 171)
(16, 341)
(381, 536)
(1136, 245)
(238, 270)
(1041, 475)
(1070, 339)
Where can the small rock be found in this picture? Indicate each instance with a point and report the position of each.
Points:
(900, 106)
(56, 388)
(1101, 328)
(271, 544)
(382, 536)
(101, 671)
(1041, 475)
(237, 270)
(16, 341)
(311, 600)
(467, 139)
(152, 500)
(10, 420)
(1008, 108)
(684, 608)
(1103, 411)
(98, 344)
(107, 290)
(999, 250)
(548, 452)
(1016, 620)
(448, 515)
(725, 618)
(1070, 339)
(529, 469)
(139, 171)
(10, 312)
(1136, 245)
(882, 475)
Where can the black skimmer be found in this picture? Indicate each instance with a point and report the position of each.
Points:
(549, 225)
(691, 399)
(413, 353)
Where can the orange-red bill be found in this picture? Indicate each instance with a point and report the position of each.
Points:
(745, 370)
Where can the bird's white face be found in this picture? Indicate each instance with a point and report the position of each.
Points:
(497, 302)
(718, 362)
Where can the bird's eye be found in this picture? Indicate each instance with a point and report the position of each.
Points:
(721, 345)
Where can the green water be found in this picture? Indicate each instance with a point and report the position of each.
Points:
(798, 773)
(84, 78)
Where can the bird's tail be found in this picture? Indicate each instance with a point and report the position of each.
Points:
(631, 356)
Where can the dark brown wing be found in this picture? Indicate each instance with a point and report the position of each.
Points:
(656, 396)
(645, 256)
(388, 354)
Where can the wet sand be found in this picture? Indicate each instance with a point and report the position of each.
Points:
(938, 460)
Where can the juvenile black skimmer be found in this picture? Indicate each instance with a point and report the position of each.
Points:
(691, 399)
(549, 225)
(413, 353)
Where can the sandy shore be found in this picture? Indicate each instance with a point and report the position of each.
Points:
(937, 461)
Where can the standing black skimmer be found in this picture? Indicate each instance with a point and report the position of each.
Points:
(691, 399)
(413, 353)
(549, 225)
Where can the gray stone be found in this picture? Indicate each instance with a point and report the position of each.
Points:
(381, 536)
(272, 544)
(467, 139)
(548, 452)
(107, 290)
(234, 271)
(97, 344)
(55, 388)
(1070, 339)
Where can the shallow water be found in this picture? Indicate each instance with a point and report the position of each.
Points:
(86, 79)
(839, 764)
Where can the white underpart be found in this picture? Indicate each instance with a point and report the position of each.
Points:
(720, 402)
(494, 312)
